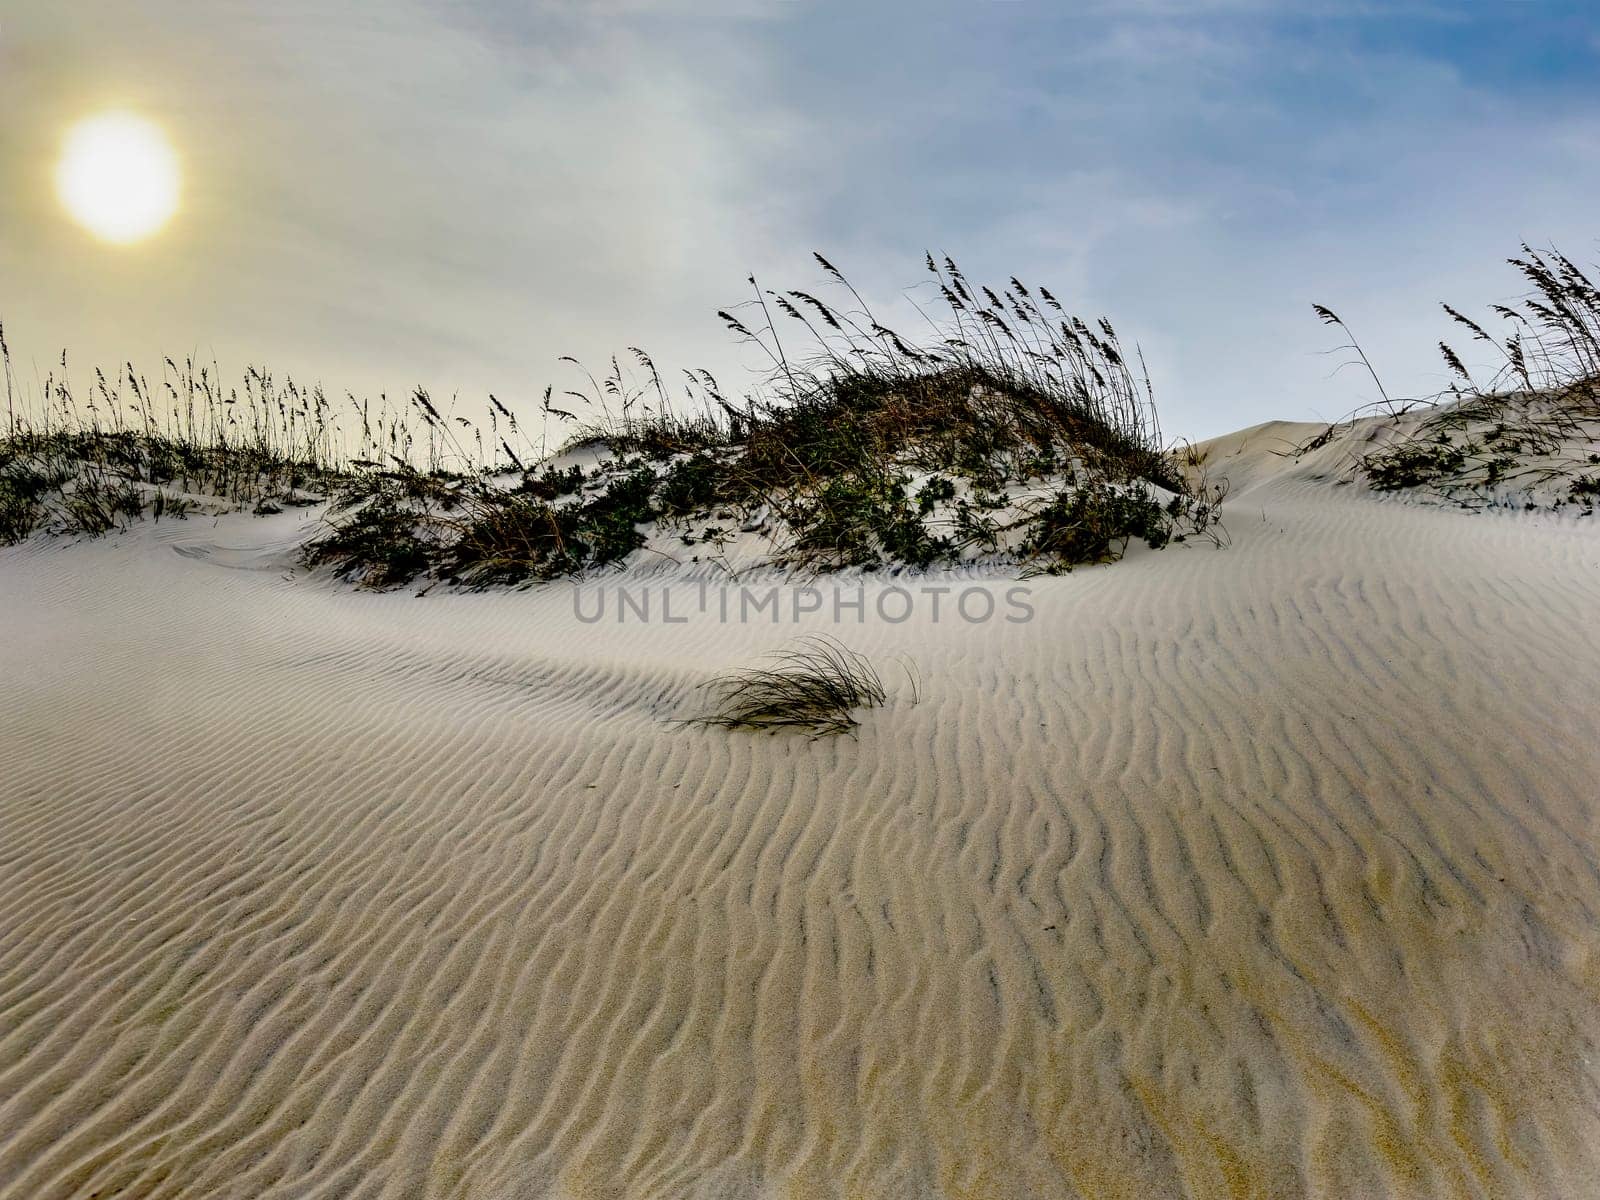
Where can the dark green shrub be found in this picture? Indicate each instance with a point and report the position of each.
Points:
(98, 504)
(1093, 523)
(381, 545)
(859, 519)
(1412, 464)
(691, 484)
(552, 483)
(937, 490)
(19, 512)
(608, 524)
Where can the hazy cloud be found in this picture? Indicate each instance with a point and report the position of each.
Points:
(455, 193)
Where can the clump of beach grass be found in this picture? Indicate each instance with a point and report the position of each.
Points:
(816, 685)
(1525, 428)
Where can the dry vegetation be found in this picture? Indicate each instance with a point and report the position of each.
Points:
(1527, 434)
(1014, 431)
(816, 684)
(88, 463)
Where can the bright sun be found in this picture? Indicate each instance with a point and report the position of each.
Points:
(118, 177)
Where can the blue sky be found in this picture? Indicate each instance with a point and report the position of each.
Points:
(455, 193)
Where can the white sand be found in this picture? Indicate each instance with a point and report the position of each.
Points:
(1268, 871)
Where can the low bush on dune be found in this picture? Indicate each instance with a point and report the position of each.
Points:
(390, 545)
(70, 485)
(1016, 431)
(1413, 463)
(1090, 523)
(1525, 435)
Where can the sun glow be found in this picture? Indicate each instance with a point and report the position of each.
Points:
(118, 177)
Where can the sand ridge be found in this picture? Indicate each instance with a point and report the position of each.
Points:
(1267, 871)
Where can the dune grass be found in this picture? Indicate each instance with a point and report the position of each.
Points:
(1523, 426)
(1010, 428)
(88, 462)
(817, 684)
(857, 448)
(76, 460)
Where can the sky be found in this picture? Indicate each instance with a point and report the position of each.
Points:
(455, 193)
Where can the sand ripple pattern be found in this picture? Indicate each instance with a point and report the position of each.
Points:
(1269, 872)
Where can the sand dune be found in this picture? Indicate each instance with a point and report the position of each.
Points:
(1260, 872)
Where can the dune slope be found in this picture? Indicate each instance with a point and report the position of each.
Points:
(1266, 871)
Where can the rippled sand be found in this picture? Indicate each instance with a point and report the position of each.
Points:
(1264, 872)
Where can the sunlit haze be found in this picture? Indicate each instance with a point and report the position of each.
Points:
(118, 177)
(455, 195)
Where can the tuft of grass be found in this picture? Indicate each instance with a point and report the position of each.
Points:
(1585, 490)
(101, 503)
(815, 685)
